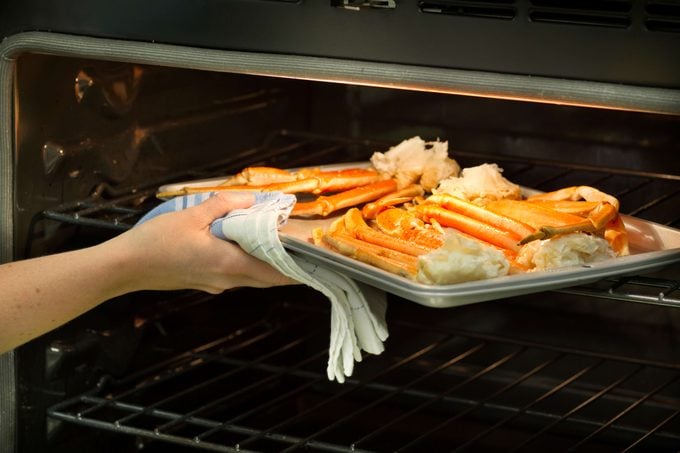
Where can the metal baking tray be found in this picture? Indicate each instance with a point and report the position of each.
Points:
(652, 246)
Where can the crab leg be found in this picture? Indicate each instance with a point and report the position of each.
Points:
(549, 222)
(576, 193)
(404, 224)
(473, 227)
(370, 210)
(615, 233)
(357, 227)
(267, 179)
(473, 211)
(260, 176)
(339, 180)
(303, 185)
(325, 205)
(570, 207)
(381, 257)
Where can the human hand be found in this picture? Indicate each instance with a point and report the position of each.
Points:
(177, 251)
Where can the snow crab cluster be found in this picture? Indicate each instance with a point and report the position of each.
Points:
(415, 213)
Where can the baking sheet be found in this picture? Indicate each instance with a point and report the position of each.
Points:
(652, 246)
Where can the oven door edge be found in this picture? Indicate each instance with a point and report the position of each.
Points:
(451, 81)
(8, 394)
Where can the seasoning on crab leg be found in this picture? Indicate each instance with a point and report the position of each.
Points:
(325, 205)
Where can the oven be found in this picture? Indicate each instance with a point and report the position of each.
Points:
(103, 102)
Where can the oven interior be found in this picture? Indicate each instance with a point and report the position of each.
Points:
(591, 368)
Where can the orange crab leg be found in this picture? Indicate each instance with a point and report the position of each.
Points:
(549, 222)
(533, 214)
(357, 227)
(382, 257)
(405, 225)
(473, 227)
(339, 180)
(325, 205)
(570, 207)
(270, 179)
(408, 193)
(471, 210)
(260, 176)
(576, 193)
(615, 233)
(302, 185)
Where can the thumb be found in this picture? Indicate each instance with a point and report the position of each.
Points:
(222, 203)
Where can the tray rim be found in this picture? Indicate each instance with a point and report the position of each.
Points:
(444, 296)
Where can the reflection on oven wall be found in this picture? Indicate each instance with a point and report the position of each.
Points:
(94, 124)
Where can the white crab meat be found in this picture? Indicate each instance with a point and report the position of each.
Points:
(479, 184)
(460, 260)
(415, 161)
(575, 249)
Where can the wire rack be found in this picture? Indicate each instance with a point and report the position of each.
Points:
(654, 197)
(261, 387)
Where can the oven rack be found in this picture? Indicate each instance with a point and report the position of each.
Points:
(434, 387)
(650, 196)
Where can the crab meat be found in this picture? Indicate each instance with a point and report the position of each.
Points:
(461, 259)
(573, 249)
(415, 161)
(479, 184)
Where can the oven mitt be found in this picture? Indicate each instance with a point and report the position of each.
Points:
(357, 310)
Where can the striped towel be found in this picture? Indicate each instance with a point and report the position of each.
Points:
(357, 310)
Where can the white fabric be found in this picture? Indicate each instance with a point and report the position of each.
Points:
(357, 310)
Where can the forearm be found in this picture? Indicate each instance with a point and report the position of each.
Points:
(41, 294)
(172, 251)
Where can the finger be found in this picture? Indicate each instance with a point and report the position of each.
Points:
(222, 203)
(248, 270)
(262, 273)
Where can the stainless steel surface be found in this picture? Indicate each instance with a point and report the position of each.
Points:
(8, 402)
(431, 79)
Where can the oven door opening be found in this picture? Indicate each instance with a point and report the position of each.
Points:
(587, 368)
